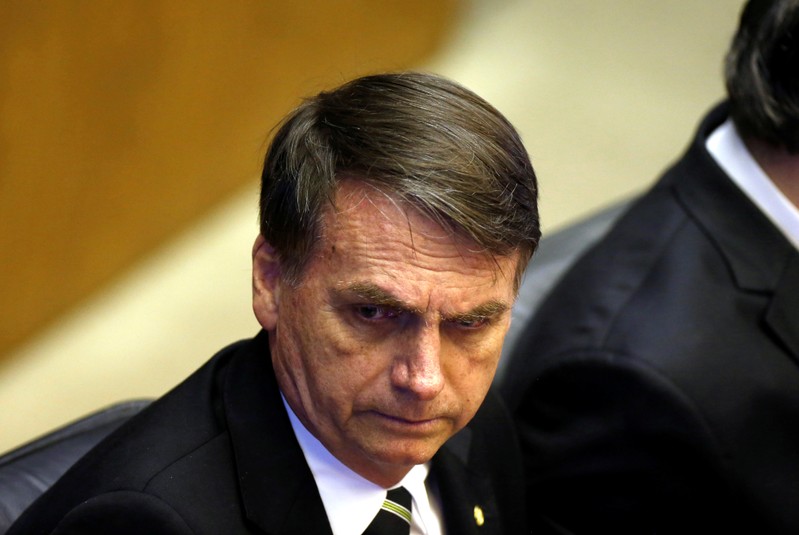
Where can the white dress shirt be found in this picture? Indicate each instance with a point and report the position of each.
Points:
(351, 501)
(729, 151)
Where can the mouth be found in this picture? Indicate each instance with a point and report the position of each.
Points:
(408, 425)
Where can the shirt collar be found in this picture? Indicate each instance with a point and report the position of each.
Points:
(351, 501)
(728, 149)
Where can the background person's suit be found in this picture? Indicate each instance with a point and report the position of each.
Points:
(218, 455)
(657, 388)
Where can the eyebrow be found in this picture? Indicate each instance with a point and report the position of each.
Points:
(376, 295)
(489, 309)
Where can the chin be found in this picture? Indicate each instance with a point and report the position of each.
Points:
(407, 454)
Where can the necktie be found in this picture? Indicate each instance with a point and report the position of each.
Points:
(394, 517)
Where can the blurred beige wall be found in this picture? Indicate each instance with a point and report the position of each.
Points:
(604, 92)
(123, 121)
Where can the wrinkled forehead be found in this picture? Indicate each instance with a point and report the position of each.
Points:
(357, 203)
(383, 207)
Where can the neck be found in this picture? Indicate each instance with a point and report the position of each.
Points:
(781, 166)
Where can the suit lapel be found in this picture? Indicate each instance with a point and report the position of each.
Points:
(278, 490)
(760, 258)
(782, 315)
(465, 491)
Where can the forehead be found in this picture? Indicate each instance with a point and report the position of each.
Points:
(363, 207)
(365, 221)
(378, 218)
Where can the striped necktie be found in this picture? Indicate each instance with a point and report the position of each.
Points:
(394, 517)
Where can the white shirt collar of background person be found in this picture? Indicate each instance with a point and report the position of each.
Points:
(729, 151)
(351, 501)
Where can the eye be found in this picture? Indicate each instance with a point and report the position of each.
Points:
(376, 312)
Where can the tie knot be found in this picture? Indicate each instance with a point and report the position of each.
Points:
(398, 501)
(394, 516)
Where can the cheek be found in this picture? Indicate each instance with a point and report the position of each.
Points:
(472, 381)
(322, 360)
(471, 371)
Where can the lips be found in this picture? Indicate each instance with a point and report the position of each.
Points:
(408, 425)
(408, 421)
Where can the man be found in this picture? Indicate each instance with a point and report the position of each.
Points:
(397, 215)
(657, 389)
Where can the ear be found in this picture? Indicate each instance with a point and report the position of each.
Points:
(265, 283)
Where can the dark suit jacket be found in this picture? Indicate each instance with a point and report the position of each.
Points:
(217, 455)
(657, 389)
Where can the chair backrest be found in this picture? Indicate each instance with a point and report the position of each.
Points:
(555, 255)
(27, 471)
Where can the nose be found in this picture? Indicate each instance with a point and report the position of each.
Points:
(417, 367)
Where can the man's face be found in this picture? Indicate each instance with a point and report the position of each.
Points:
(387, 346)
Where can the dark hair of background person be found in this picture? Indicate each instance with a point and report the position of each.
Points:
(762, 73)
(419, 137)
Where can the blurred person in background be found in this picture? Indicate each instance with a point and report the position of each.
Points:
(657, 389)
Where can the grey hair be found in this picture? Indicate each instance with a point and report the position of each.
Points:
(417, 137)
